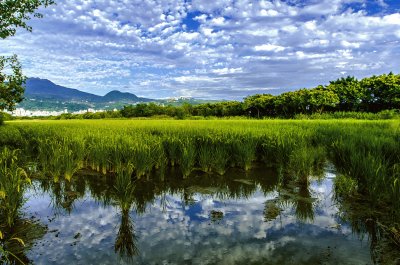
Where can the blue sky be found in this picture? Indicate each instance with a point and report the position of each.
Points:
(208, 49)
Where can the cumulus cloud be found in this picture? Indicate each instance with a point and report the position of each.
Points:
(180, 48)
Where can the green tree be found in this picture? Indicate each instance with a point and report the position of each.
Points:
(15, 14)
(350, 92)
(11, 89)
(320, 99)
(260, 105)
(382, 92)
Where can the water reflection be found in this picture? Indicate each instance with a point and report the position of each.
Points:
(20, 238)
(239, 218)
(124, 198)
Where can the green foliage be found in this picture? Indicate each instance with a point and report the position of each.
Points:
(382, 92)
(60, 157)
(11, 85)
(5, 117)
(345, 186)
(382, 115)
(13, 180)
(351, 95)
(15, 14)
(367, 151)
(376, 97)
(371, 94)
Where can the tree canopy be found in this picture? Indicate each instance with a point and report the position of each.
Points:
(11, 90)
(371, 94)
(14, 14)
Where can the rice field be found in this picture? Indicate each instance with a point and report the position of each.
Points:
(366, 155)
(365, 150)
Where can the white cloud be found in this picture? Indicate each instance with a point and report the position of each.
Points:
(224, 71)
(347, 44)
(269, 48)
(133, 43)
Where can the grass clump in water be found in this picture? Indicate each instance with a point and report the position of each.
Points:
(13, 180)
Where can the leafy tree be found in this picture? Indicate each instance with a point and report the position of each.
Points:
(382, 92)
(232, 108)
(11, 89)
(14, 14)
(260, 104)
(350, 92)
(320, 99)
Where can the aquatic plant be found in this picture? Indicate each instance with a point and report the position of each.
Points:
(187, 157)
(124, 197)
(367, 151)
(13, 180)
(243, 151)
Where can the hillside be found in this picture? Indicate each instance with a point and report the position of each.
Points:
(42, 94)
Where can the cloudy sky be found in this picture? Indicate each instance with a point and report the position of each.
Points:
(208, 48)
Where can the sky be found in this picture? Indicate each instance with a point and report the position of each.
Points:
(210, 49)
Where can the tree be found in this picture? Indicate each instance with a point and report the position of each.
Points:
(321, 98)
(382, 91)
(350, 92)
(11, 90)
(260, 104)
(14, 14)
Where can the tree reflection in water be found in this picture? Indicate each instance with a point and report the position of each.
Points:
(286, 195)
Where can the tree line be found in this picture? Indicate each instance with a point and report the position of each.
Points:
(372, 94)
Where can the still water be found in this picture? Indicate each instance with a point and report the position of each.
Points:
(239, 218)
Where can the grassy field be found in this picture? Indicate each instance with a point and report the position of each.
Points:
(367, 151)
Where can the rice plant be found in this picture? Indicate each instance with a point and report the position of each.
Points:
(13, 180)
(367, 151)
(187, 158)
(244, 151)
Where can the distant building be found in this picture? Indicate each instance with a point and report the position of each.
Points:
(20, 112)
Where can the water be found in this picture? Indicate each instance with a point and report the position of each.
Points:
(239, 218)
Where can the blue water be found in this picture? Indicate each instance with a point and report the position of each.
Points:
(175, 224)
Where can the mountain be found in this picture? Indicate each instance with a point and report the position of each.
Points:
(116, 95)
(42, 94)
(43, 89)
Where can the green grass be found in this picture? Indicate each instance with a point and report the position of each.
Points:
(13, 180)
(367, 151)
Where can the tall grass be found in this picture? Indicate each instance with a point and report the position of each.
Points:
(367, 151)
(13, 180)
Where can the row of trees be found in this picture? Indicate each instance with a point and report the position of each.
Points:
(221, 109)
(372, 94)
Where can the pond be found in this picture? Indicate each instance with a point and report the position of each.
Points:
(242, 217)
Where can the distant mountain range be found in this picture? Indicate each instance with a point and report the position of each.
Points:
(42, 94)
(37, 88)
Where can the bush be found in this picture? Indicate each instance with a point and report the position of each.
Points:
(4, 117)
